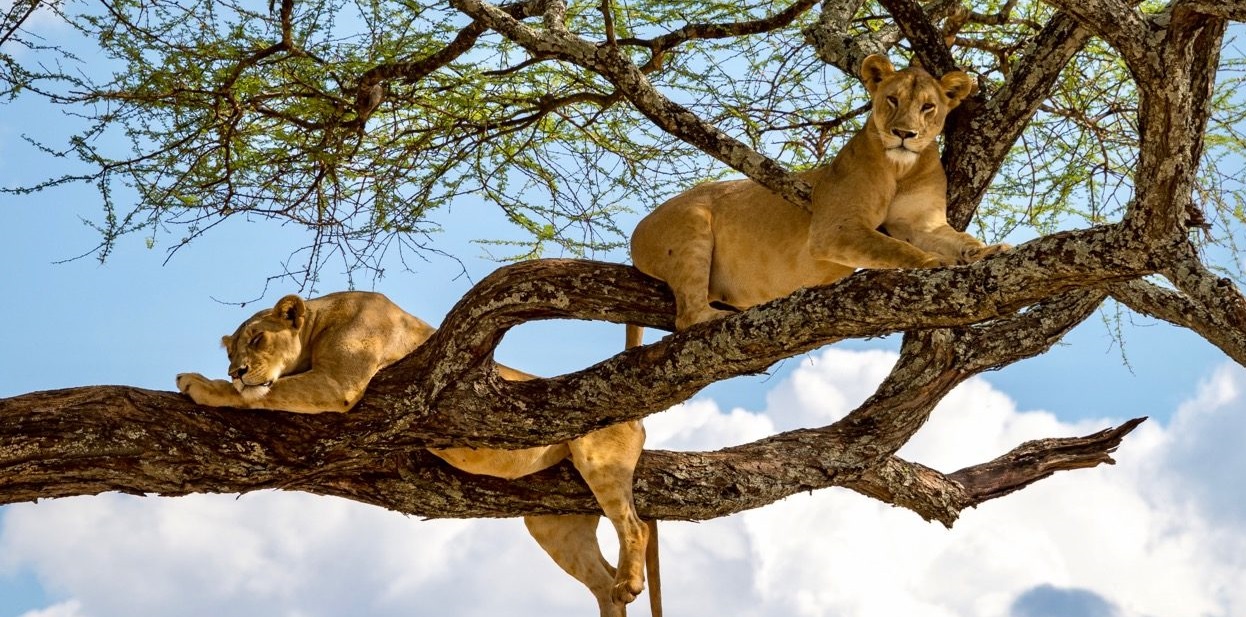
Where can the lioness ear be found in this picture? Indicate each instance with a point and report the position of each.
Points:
(874, 69)
(957, 85)
(227, 341)
(291, 309)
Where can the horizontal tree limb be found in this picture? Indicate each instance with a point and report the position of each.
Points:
(109, 438)
(1038, 459)
(1211, 306)
(1227, 9)
(270, 452)
(654, 377)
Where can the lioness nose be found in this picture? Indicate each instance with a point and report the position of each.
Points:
(904, 134)
(238, 372)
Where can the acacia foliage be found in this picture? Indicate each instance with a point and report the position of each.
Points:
(360, 120)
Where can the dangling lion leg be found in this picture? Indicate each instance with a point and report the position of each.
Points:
(571, 540)
(607, 460)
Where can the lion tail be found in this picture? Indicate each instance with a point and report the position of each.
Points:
(635, 338)
(652, 571)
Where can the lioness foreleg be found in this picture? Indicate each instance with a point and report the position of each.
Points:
(210, 392)
(954, 247)
(844, 229)
(920, 218)
(859, 246)
(310, 392)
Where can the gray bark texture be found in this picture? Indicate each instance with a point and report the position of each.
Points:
(958, 321)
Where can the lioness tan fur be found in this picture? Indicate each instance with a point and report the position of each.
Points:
(738, 243)
(319, 355)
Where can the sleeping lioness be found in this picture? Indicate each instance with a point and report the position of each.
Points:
(319, 355)
(881, 203)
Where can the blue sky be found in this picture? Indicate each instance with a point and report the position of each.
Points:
(1159, 534)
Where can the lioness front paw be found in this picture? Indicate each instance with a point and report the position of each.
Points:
(205, 391)
(971, 255)
(186, 381)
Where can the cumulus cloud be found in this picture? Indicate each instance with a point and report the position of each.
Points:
(1141, 538)
(1161, 534)
(72, 608)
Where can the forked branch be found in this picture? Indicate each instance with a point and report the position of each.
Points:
(89, 440)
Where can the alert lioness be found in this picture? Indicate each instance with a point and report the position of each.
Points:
(740, 244)
(319, 355)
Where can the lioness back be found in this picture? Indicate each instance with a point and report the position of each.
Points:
(758, 242)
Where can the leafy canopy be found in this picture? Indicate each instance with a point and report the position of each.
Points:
(360, 120)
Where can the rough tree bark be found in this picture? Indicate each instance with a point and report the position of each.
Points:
(959, 321)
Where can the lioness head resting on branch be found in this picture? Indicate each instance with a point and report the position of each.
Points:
(880, 203)
(318, 355)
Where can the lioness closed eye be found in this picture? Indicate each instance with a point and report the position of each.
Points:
(319, 355)
(740, 244)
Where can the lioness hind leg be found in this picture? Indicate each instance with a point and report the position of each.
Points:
(571, 540)
(677, 246)
(607, 460)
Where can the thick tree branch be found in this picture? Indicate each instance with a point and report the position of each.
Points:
(1222, 326)
(210, 450)
(1210, 305)
(656, 376)
(939, 497)
(89, 440)
(1121, 26)
(926, 39)
(1227, 9)
(983, 135)
(1172, 121)
(1034, 460)
(220, 451)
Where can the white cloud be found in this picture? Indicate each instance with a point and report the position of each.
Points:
(268, 553)
(1136, 536)
(1161, 534)
(72, 608)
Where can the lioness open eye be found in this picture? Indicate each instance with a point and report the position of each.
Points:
(894, 101)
